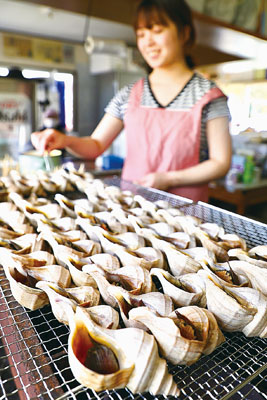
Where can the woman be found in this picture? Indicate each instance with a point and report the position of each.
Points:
(176, 121)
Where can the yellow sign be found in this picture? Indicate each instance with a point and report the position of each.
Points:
(47, 51)
(15, 46)
(36, 49)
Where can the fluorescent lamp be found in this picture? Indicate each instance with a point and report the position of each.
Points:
(33, 74)
(4, 71)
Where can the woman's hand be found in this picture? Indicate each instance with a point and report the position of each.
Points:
(48, 140)
(88, 147)
(156, 180)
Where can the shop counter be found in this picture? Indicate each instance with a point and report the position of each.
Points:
(241, 195)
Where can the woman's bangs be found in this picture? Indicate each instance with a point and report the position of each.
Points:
(149, 16)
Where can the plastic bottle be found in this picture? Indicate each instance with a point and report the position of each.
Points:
(231, 180)
(249, 169)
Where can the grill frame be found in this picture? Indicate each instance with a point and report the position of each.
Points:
(33, 344)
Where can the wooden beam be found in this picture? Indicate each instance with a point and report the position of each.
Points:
(228, 39)
(76, 6)
(117, 10)
(211, 33)
(204, 55)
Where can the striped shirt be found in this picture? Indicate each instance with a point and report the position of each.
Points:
(192, 92)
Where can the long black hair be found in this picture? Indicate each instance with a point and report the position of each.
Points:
(149, 12)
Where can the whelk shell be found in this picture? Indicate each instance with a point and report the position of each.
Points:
(65, 253)
(104, 316)
(19, 261)
(61, 178)
(179, 262)
(180, 293)
(153, 256)
(130, 240)
(114, 225)
(137, 280)
(140, 367)
(259, 251)
(213, 230)
(51, 273)
(181, 240)
(121, 216)
(15, 220)
(149, 207)
(126, 256)
(101, 282)
(257, 276)
(65, 301)
(106, 262)
(256, 256)
(188, 223)
(75, 240)
(59, 225)
(231, 314)
(69, 205)
(243, 255)
(169, 218)
(208, 243)
(49, 211)
(30, 242)
(8, 233)
(205, 326)
(177, 343)
(23, 290)
(79, 277)
(255, 300)
(124, 307)
(156, 301)
(232, 241)
(224, 274)
(161, 228)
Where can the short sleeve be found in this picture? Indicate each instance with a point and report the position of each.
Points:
(215, 109)
(118, 104)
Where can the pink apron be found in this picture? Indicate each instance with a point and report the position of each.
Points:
(158, 140)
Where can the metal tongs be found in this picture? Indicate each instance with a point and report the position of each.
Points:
(48, 161)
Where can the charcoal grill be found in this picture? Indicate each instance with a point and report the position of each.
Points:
(33, 344)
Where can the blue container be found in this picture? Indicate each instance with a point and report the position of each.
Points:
(112, 162)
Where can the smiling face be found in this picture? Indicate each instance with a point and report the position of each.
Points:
(159, 41)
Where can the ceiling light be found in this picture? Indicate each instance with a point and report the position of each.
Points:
(35, 74)
(4, 71)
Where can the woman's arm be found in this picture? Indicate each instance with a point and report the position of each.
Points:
(219, 162)
(86, 147)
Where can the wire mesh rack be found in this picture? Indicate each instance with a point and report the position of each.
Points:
(34, 345)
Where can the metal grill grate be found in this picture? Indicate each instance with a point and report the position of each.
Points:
(33, 344)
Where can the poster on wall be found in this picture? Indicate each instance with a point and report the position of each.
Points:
(15, 123)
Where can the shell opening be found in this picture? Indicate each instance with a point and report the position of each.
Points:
(187, 329)
(94, 355)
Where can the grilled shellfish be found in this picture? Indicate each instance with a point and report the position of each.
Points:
(182, 338)
(181, 293)
(137, 366)
(65, 301)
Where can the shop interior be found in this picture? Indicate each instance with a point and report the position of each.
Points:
(110, 290)
(72, 58)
